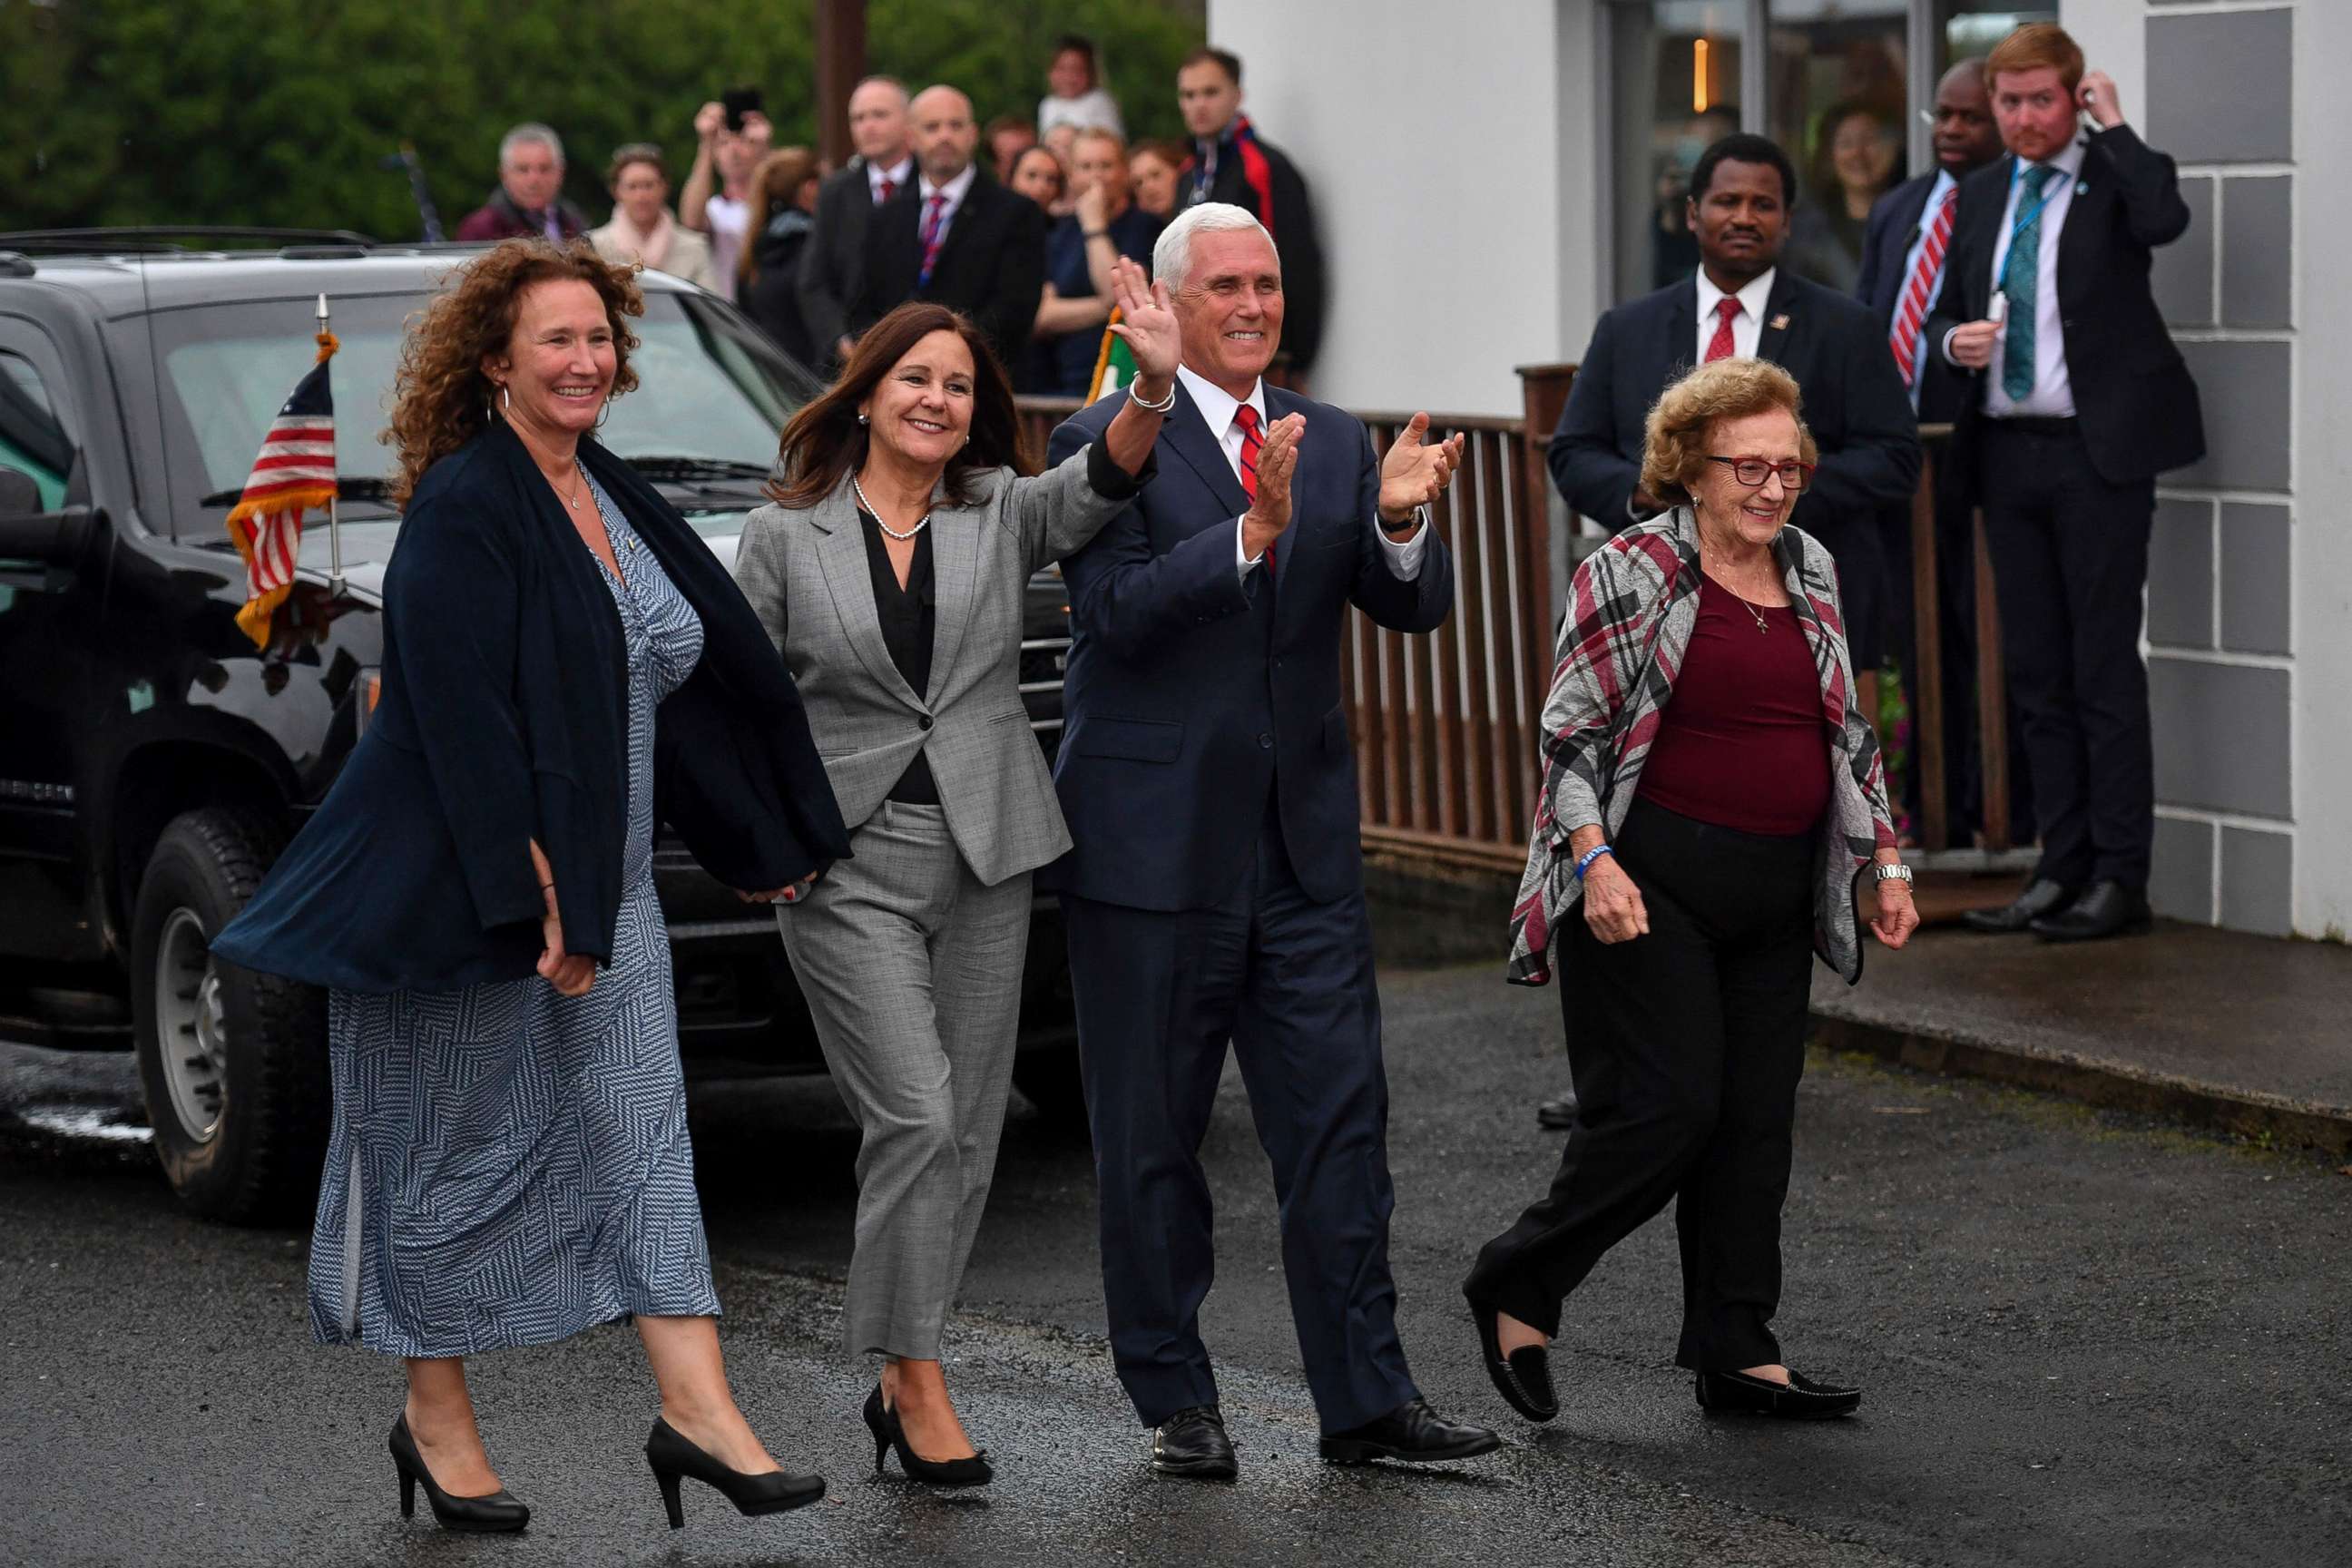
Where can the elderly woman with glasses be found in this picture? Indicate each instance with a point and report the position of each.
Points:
(1710, 795)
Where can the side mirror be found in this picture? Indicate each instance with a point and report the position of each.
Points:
(19, 496)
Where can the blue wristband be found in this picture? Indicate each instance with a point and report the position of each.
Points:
(1584, 862)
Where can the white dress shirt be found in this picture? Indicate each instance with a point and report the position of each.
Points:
(2054, 394)
(1944, 186)
(728, 217)
(896, 173)
(955, 191)
(1745, 327)
(1217, 408)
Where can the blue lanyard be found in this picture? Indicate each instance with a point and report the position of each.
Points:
(2026, 215)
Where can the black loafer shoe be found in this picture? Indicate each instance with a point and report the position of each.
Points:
(2040, 898)
(1412, 1432)
(1192, 1443)
(1558, 1115)
(1524, 1377)
(2109, 908)
(1799, 1399)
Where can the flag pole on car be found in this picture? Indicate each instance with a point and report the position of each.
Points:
(295, 470)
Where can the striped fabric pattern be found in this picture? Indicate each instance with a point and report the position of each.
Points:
(295, 470)
(1912, 314)
(509, 1167)
(1631, 605)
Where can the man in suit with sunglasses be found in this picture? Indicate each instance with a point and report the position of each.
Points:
(1740, 303)
(2080, 400)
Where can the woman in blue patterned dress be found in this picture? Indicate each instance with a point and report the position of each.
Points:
(509, 1161)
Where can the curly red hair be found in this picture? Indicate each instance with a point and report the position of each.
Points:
(441, 398)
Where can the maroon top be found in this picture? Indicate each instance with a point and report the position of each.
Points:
(1743, 744)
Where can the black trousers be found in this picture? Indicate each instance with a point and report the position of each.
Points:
(1687, 1045)
(2069, 558)
(1288, 982)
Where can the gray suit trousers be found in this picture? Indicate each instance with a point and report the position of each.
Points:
(912, 971)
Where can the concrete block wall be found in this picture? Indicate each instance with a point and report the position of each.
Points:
(2219, 96)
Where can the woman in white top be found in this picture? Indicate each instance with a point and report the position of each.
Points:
(1075, 96)
(643, 228)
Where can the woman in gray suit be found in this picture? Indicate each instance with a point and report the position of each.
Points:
(891, 573)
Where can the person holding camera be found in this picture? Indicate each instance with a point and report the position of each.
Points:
(731, 135)
(2079, 401)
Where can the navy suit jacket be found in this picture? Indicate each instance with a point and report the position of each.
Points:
(1855, 402)
(1886, 240)
(2134, 398)
(504, 718)
(1192, 699)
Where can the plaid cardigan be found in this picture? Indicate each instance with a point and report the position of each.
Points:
(1632, 607)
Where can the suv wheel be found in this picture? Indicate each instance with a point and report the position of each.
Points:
(1048, 1078)
(232, 1063)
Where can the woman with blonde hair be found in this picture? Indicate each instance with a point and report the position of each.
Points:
(509, 1162)
(1709, 794)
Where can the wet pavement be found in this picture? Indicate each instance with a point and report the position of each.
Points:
(2087, 1338)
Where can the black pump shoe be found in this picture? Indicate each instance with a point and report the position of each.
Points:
(1524, 1377)
(497, 1514)
(672, 1459)
(883, 1422)
(1799, 1399)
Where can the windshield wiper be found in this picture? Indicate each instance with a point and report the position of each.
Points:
(691, 471)
(350, 489)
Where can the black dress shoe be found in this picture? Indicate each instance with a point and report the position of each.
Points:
(1799, 1399)
(673, 1458)
(2109, 908)
(882, 1420)
(495, 1514)
(1558, 1115)
(2042, 897)
(1192, 1442)
(1412, 1431)
(1524, 1377)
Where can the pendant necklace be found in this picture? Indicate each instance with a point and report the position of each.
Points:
(871, 510)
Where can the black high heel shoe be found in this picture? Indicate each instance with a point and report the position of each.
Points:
(883, 1422)
(672, 1457)
(497, 1514)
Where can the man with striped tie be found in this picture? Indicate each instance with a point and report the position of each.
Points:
(1903, 251)
(2082, 401)
(953, 236)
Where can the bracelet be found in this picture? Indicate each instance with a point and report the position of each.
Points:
(1585, 861)
(1163, 406)
(1094, 234)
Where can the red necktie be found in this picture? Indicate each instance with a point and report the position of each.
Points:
(1252, 439)
(934, 234)
(1912, 314)
(1719, 346)
(886, 190)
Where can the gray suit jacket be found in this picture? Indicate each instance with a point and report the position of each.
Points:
(806, 573)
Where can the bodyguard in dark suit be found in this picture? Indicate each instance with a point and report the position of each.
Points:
(844, 208)
(2082, 401)
(1905, 246)
(1741, 302)
(954, 237)
(1215, 889)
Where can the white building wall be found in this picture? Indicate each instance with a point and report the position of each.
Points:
(1452, 157)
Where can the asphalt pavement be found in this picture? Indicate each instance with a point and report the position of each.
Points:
(2086, 1339)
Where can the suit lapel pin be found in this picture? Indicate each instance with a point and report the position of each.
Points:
(1780, 323)
(2082, 187)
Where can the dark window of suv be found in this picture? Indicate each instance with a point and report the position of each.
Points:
(33, 436)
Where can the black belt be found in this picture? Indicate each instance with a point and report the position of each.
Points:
(2037, 424)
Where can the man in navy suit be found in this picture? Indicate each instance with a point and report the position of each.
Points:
(1740, 303)
(1903, 251)
(2077, 400)
(1216, 889)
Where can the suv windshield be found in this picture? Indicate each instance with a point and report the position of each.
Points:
(712, 397)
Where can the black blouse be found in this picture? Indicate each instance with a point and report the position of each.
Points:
(908, 616)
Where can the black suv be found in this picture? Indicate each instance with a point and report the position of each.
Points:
(153, 763)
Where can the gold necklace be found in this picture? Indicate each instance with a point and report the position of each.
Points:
(1762, 625)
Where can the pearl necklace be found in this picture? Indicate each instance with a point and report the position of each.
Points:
(875, 514)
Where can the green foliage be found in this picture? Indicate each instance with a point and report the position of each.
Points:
(281, 112)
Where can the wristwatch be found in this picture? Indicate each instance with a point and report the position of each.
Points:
(1895, 873)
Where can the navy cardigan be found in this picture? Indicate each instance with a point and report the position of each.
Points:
(504, 717)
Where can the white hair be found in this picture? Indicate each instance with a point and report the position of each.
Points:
(1172, 258)
(531, 131)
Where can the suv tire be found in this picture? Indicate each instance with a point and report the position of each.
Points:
(240, 1105)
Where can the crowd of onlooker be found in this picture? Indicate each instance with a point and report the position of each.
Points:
(1021, 239)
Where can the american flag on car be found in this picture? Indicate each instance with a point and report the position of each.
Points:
(295, 471)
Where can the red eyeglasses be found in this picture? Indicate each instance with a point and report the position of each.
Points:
(1753, 471)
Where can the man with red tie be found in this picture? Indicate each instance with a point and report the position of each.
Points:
(1740, 303)
(845, 205)
(1903, 252)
